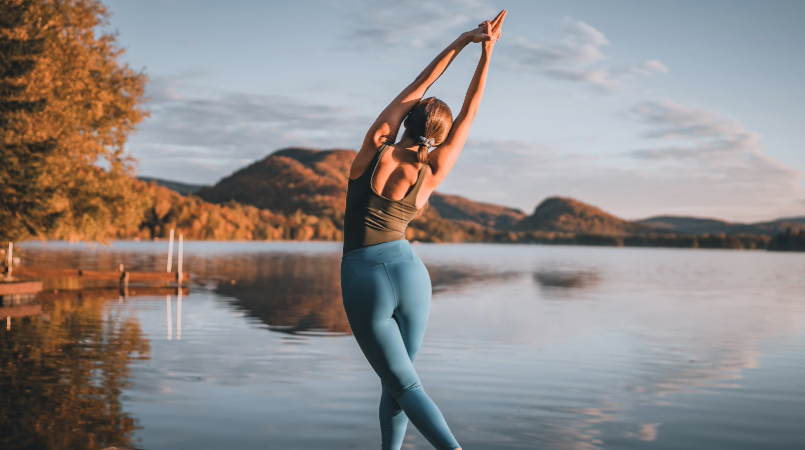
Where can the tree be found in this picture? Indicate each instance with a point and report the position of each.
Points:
(69, 105)
(23, 157)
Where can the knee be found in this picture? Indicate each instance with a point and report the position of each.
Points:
(403, 391)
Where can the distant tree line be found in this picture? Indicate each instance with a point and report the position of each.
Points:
(196, 219)
(788, 241)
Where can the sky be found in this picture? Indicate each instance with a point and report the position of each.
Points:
(639, 108)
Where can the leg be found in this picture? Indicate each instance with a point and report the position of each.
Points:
(393, 421)
(370, 301)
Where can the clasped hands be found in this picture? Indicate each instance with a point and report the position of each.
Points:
(487, 32)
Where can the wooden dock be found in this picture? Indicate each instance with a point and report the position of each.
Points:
(20, 287)
(108, 275)
(14, 287)
(141, 291)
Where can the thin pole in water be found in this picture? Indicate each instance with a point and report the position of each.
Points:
(180, 274)
(9, 259)
(170, 252)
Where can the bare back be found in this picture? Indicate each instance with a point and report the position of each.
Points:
(395, 175)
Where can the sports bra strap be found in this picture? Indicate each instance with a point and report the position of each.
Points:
(415, 187)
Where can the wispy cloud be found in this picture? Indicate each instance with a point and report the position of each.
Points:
(414, 23)
(699, 132)
(710, 165)
(196, 134)
(576, 56)
(715, 157)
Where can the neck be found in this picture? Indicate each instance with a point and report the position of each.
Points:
(409, 143)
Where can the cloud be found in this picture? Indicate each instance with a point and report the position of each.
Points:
(649, 67)
(197, 134)
(576, 56)
(701, 135)
(414, 23)
(705, 164)
(713, 154)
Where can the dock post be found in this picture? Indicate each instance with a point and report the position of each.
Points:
(8, 323)
(124, 282)
(9, 259)
(170, 252)
(180, 274)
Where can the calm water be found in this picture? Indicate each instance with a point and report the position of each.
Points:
(528, 347)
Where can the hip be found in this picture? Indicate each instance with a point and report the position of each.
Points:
(366, 258)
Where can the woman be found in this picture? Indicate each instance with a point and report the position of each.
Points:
(385, 287)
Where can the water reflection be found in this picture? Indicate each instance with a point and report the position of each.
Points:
(664, 349)
(170, 321)
(289, 293)
(298, 293)
(566, 278)
(18, 306)
(62, 372)
(169, 316)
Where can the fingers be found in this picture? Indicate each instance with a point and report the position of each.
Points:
(492, 27)
(497, 24)
(498, 18)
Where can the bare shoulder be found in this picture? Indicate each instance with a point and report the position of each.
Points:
(362, 160)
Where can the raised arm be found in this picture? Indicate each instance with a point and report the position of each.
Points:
(387, 124)
(444, 157)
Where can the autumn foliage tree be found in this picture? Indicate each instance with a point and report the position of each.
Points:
(23, 157)
(67, 106)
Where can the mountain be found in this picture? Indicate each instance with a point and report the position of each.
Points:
(693, 225)
(290, 179)
(462, 209)
(182, 188)
(792, 219)
(568, 215)
(308, 187)
(315, 181)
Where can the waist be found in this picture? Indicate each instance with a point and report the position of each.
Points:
(368, 230)
(390, 251)
(365, 258)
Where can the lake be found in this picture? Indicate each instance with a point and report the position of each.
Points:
(528, 347)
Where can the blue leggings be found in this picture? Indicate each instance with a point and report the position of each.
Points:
(387, 291)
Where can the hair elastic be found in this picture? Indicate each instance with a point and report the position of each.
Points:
(429, 142)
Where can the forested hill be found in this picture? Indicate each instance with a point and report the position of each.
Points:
(572, 216)
(692, 225)
(290, 179)
(315, 182)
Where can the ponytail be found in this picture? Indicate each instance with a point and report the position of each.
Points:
(422, 154)
(424, 145)
(428, 124)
